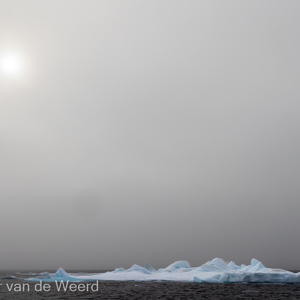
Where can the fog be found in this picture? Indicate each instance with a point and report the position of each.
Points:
(149, 130)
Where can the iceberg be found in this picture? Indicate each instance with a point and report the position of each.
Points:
(214, 271)
(9, 277)
(31, 274)
(60, 275)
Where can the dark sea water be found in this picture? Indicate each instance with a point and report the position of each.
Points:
(145, 290)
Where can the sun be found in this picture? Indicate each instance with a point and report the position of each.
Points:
(11, 64)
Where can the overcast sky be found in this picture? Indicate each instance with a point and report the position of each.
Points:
(149, 130)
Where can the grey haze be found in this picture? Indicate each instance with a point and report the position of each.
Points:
(150, 130)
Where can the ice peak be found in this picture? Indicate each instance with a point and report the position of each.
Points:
(149, 268)
(218, 262)
(254, 262)
(61, 273)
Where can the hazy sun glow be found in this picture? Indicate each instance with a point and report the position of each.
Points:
(11, 64)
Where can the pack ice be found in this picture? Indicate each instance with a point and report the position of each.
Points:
(215, 271)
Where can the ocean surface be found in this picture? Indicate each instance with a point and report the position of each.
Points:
(22, 289)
